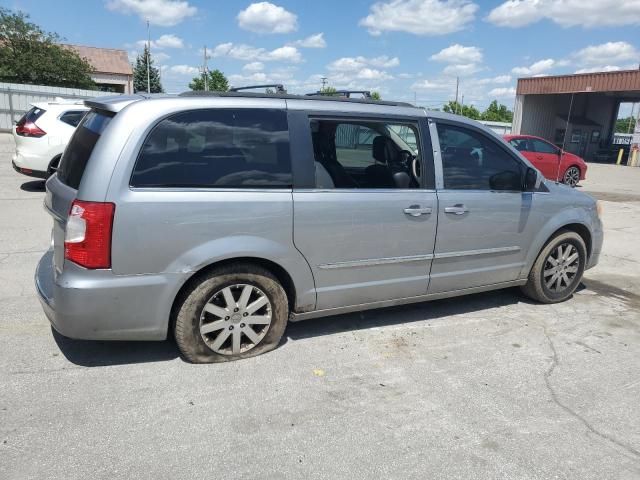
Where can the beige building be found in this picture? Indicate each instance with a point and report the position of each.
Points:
(112, 70)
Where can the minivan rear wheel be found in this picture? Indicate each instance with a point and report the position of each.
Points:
(232, 312)
(558, 270)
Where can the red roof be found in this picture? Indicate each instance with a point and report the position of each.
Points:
(104, 60)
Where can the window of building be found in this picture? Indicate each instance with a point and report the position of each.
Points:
(473, 161)
(239, 148)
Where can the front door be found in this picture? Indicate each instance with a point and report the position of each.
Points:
(483, 216)
(546, 158)
(367, 227)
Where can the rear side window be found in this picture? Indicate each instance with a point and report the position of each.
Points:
(31, 115)
(72, 117)
(239, 148)
(543, 147)
(76, 155)
(520, 144)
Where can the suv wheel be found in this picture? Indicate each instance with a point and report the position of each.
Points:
(558, 269)
(53, 166)
(236, 311)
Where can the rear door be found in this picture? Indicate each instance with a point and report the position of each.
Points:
(62, 188)
(483, 220)
(364, 206)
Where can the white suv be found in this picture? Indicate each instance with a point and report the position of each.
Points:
(42, 134)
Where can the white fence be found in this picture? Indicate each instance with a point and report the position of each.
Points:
(15, 99)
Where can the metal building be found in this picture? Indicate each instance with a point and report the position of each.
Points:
(577, 110)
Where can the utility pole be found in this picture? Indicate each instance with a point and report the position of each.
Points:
(457, 87)
(205, 71)
(462, 105)
(148, 58)
(415, 99)
(324, 83)
(633, 107)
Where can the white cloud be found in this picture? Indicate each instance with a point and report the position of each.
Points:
(265, 17)
(502, 92)
(184, 70)
(312, 41)
(567, 13)
(250, 54)
(462, 70)
(350, 64)
(494, 80)
(604, 68)
(165, 13)
(169, 41)
(165, 41)
(373, 74)
(458, 54)
(421, 17)
(536, 68)
(253, 67)
(434, 85)
(160, 57)
(606, 53)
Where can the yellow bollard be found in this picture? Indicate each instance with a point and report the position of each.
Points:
(620, 153)
(633, 158)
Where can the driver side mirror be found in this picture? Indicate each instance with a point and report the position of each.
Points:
(530, 180)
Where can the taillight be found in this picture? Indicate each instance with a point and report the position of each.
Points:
(87, 237)
(29, 129)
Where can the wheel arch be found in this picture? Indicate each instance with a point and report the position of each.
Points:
(281, 274)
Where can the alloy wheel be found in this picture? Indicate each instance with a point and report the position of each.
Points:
(561, 267)
(572, 176)
(235, 319)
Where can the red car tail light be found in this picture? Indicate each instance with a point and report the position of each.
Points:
(87, 239)
(29, 129)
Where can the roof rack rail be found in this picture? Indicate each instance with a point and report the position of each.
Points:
(278, 87)
(341, 93)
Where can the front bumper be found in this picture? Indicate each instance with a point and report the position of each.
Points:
(98, 305)
(597, 239)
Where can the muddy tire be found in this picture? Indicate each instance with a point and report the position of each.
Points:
(232, 312)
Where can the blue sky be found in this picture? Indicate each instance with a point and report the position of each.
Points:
(405, 49)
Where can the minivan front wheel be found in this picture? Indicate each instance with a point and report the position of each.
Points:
(558, 270)
(236, 311)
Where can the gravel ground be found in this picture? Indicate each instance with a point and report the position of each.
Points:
(485, 386)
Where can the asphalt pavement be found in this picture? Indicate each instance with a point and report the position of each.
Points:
(489, 386)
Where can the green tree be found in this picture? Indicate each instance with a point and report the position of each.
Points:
(465, 110)
(497, 113)
(216, 82)
(329, 91)
(30, 55)
(625, 125)
(376, 95)
(140, 74)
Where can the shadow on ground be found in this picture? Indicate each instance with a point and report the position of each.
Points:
(100, 354)
(437, 311)
(33, 186)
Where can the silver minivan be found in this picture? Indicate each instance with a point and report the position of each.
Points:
(218, 218)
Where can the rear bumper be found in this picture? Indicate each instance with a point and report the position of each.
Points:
(28, 172)
(98, 305)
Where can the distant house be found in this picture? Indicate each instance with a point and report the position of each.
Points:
(112, 70)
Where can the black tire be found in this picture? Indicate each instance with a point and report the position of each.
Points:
(191, 303)
(536, 287)
(53, 166)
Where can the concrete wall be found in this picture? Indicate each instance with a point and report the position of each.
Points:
(124, 81)
(15, 99)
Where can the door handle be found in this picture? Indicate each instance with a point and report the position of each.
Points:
(417, 210)
(458, 209)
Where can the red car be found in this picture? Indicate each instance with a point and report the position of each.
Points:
(545, 157)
